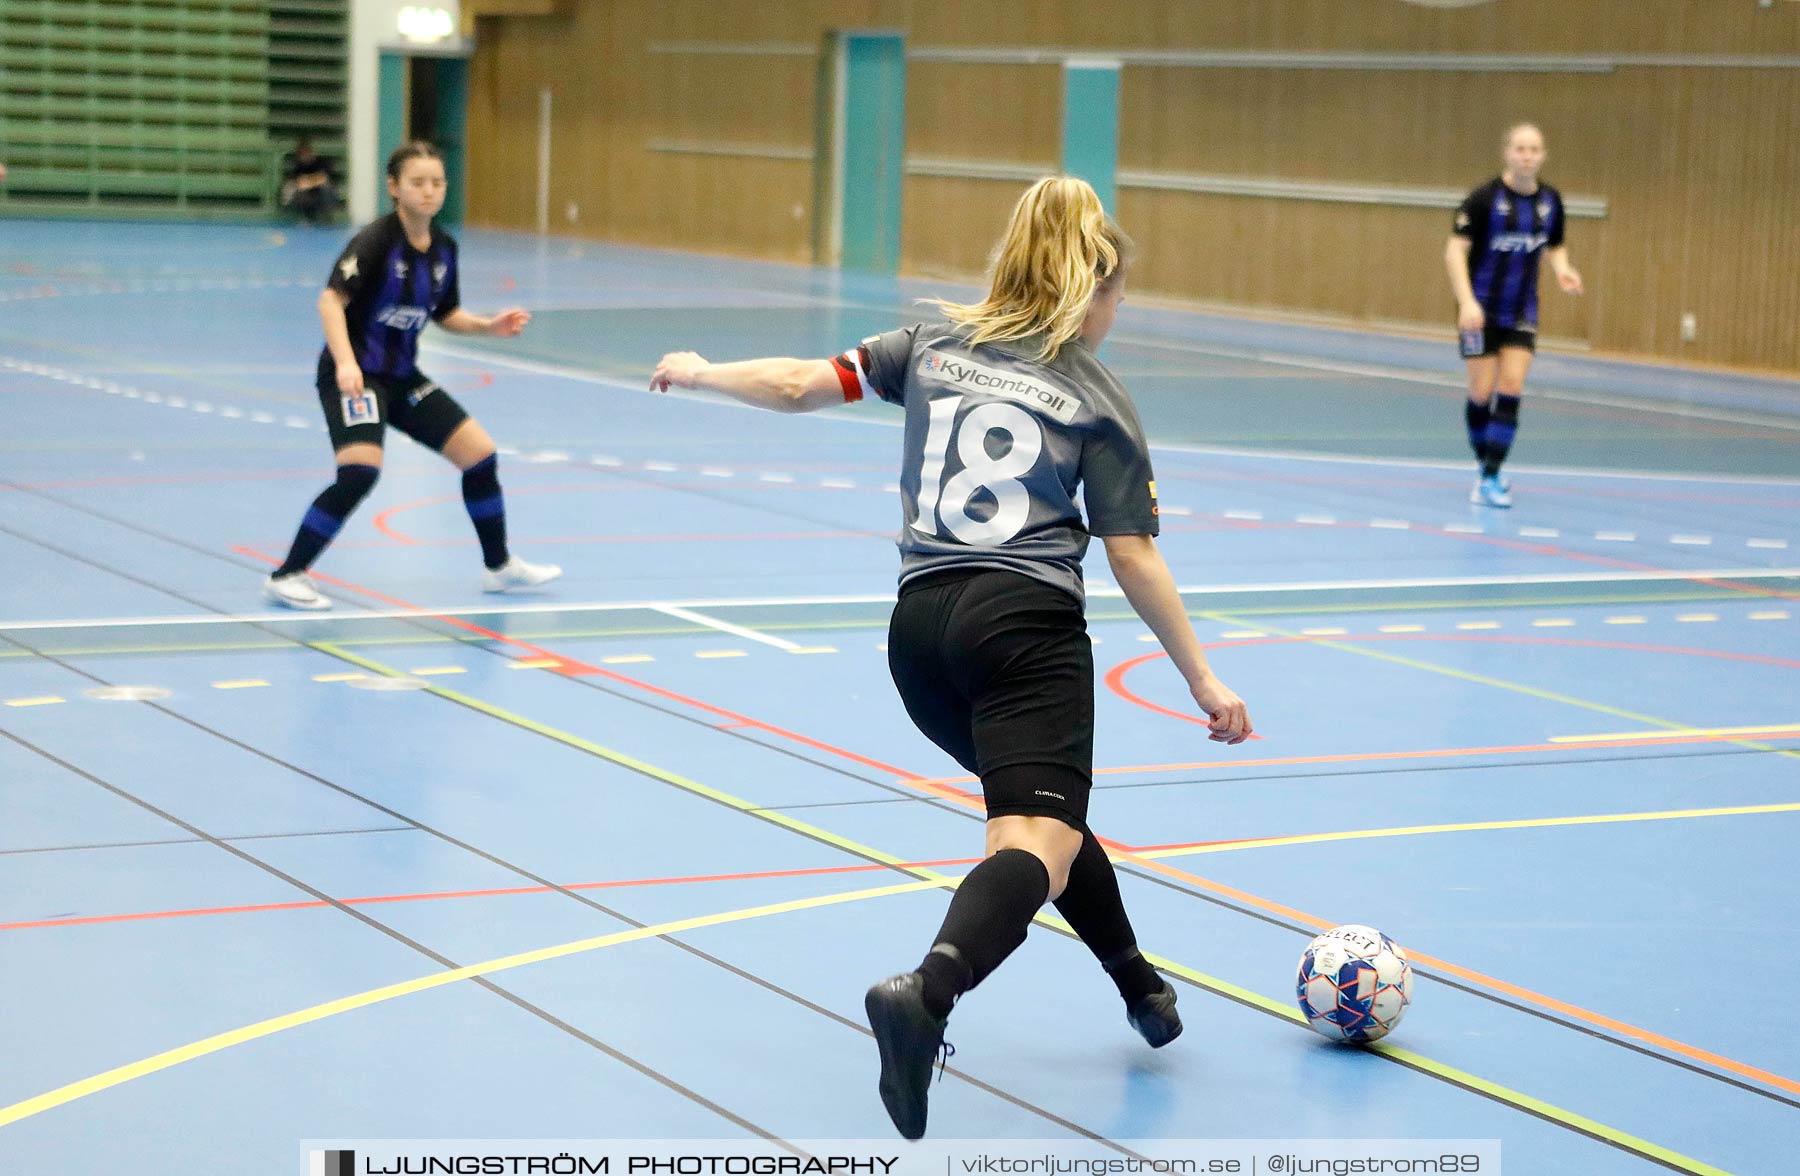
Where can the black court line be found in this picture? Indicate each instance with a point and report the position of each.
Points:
(1494, 998)
(1585, 1030)
(201, 841)
(1160, 880)
(520, 871)
(444, 961)
(563, 890)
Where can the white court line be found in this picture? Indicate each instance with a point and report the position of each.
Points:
(679, 613)
(1683, 733)
(1410, 463)
(1444, 380)
(896, 421)
(285, 617)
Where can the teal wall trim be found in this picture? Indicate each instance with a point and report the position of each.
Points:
(1091, 125)
(873, 146)
(393, 104)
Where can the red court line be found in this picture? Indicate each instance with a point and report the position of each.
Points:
(974, 802)
(438, 895)
(1576, 1012)
(1372, 756)
(562, 665)
(581, 669)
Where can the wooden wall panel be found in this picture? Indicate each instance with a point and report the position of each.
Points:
(951, 225)
(992, 113)
(1699, 165)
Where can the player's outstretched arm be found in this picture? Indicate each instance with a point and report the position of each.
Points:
(505, 325)
(782, 385)
(1139, 568)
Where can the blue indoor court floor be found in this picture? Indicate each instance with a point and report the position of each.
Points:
(618, 858)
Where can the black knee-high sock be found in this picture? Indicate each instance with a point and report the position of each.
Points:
(1092, 905)
(988, 918)
(327, 515)
(487, 509)
(1502, 426)
(1476, 417)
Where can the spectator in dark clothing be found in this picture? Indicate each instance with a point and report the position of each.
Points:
(309, 184)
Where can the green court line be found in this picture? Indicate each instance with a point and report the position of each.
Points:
(626, 761)
(926, 879)
(1094, 616)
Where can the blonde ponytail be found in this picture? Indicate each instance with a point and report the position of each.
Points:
(1060, 248)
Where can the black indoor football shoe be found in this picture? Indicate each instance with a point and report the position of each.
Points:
(1155, 1018)
(909, 1038)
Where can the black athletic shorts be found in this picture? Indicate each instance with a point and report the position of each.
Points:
(1493, 339)
(996, 668)
(412, 404)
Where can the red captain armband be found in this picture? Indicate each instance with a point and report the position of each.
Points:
(852, 373)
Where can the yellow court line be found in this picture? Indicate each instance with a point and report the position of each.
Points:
(1464, 827)
(626, 659)
(42, 700)
(721, 653)
(929, 880)
(336, 677)
(437, 671)
(219, 1041)
(534, 663)
(119, 1075)
(1679, 733)
(1451, 1074)
(239, 684)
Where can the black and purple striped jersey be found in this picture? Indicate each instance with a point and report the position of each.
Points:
(1507, 232)
(392, 289)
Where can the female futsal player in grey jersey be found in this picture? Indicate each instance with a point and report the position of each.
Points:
(1007, 412)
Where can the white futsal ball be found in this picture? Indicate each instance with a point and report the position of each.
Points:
(1354, 984)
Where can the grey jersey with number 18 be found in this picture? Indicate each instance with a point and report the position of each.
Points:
(997, 444)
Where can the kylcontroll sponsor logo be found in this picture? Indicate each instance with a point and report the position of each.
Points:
(869, 1157)
(968, 376)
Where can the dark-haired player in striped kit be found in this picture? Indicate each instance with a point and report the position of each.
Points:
(1008, 411)
(393, 277)
(1501, 229)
